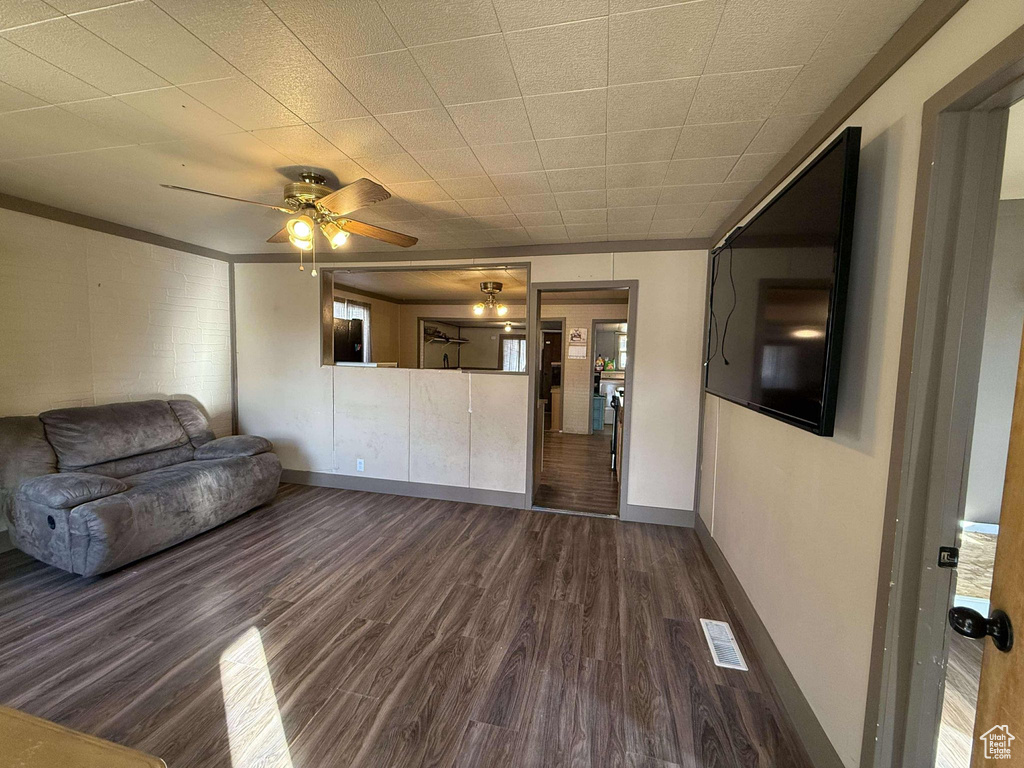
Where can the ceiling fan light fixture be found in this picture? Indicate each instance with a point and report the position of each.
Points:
(502, 310)
(478, 309)
(302, 245)
(300, 228)
(335, 235)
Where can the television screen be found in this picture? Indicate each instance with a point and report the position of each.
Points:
(778, 296)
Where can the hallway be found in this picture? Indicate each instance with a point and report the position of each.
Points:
(577, 474)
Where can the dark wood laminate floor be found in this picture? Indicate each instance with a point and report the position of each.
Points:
(334, 628)
(577, 474)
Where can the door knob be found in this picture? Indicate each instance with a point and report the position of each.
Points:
(969, 623)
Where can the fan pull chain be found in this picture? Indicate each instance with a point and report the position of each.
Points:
(301, 268)
(313, 241)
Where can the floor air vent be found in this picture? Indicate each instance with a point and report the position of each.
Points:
(724, 649)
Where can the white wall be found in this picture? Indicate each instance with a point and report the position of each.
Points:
(285, 394)
(1000, 352)
(800, 517)
(91, 318)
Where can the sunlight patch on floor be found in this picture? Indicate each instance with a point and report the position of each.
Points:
(255, 732)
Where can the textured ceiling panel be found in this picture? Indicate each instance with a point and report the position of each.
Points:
(492, 122)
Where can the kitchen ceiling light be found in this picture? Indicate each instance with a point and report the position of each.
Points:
(508, 327)
(492, 288)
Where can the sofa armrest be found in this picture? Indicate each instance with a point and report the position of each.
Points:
(65, 490)
(230, 447)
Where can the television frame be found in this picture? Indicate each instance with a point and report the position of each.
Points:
(834, 329)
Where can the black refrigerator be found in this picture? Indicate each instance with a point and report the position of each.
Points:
(348, 341)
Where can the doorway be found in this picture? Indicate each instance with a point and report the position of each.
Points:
(581, 411)
(937, 695)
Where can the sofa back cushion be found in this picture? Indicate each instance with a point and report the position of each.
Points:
(193, 421)
(142, 462)
(82, 437)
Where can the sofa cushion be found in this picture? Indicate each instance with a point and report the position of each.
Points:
(162, 507)
(236, 445)
(82, 437)
(69, 489)
(193, 420)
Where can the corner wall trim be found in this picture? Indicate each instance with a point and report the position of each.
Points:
(406, 488)
(815, 742)
(637, 513)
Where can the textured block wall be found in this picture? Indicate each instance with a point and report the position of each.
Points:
(91, 318)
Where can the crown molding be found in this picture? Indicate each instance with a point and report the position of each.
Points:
(915, 32)
(43, 211)
(494, 252)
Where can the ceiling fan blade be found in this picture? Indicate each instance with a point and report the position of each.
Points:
(356, 195)
(226, 197)
(281, 236)
(377, 233)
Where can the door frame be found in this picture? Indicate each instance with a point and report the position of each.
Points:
(959, 169)
(533, 331)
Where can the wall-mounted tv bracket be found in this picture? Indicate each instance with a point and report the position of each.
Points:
(728, 239)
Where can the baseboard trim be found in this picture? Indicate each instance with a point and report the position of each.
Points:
(406, 488)
(816, 743)
(637, 513)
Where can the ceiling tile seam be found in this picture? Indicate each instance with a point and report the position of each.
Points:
(817, 47)
(661, 7)
(704, 66)
(251, 79)
(821, 42)
(40, 58)
(167, 87)
(607, 81)
(114, 47)
(182, 140)
(529, 120)
(44, 105)
(355, 98)
(103, 7)
(209, 48)
(16, 27)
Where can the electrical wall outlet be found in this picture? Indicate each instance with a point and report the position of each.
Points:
(359, 465)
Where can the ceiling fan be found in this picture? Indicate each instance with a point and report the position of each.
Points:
(313, 204)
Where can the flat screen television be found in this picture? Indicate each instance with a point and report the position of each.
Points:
(778, 296)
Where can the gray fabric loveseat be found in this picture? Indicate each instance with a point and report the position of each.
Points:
(91, 489)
